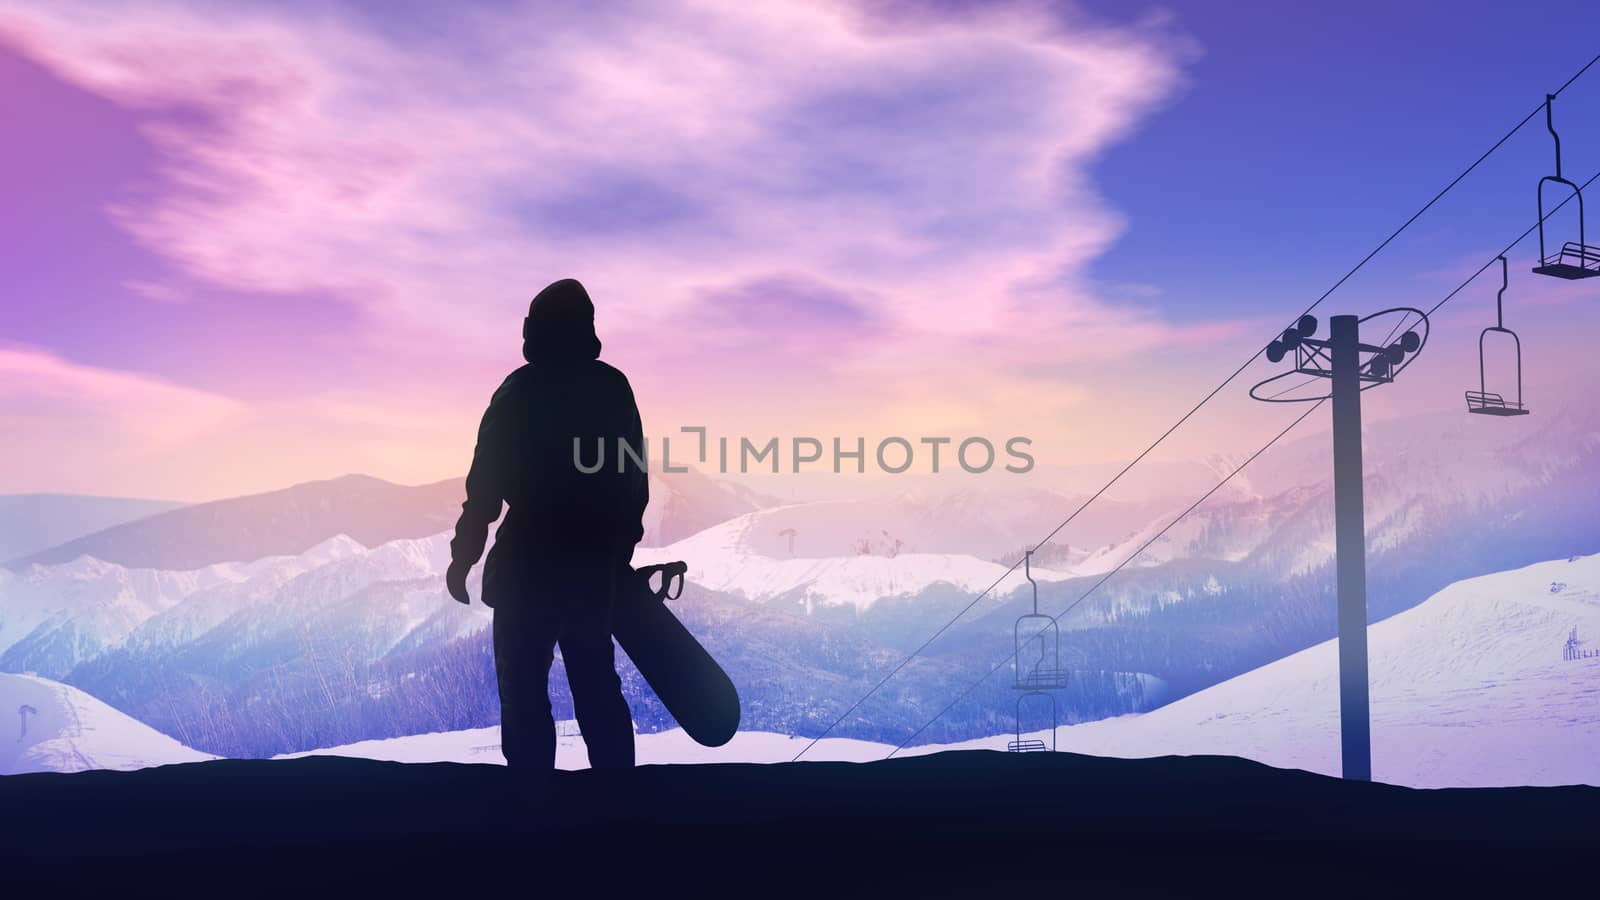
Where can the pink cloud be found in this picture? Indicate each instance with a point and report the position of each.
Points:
(67, 424)
(669, 155)
(327, 157)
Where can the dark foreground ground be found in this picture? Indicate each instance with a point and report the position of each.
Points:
(976, 824)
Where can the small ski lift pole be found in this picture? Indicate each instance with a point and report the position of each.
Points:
(1482, 401)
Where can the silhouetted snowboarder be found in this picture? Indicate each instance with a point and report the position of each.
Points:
(562, 553)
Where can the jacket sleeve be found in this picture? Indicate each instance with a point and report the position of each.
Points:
(636, 489)
(486, 480)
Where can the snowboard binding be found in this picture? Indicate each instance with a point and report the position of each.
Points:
(671, 573)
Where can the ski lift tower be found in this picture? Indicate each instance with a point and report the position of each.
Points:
(1038, 664)
(1350, 367)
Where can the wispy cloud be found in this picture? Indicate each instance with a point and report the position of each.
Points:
(67, 424)
(857, 195)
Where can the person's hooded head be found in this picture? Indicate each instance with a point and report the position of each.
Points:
(560, 325)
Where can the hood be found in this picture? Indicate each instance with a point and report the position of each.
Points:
(560, 325)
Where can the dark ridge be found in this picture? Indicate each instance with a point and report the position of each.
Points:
(950, 824)
(30, 523)
(278, 523)
(372, 511)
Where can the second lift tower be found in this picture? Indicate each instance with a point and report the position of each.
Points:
(1350, 367)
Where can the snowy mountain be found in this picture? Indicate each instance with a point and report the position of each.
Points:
(1469, 689)
(739, 557)
(291, 521)
(51, 727)
(344, 642)
(809, 604)
(1425, 476)
(52, 618)
(287, 522)
(990, 522)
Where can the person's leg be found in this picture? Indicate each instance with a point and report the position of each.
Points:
(524, 646)
(590, 659)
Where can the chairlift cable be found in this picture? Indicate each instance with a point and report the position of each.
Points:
(1057, 618)
(1485, 267)
(1203, 401)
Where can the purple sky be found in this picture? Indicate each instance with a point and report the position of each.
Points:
(252, 244)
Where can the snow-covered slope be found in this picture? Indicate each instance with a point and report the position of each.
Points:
(1468, 688)
(988, 521)
(736, 557)
(46, 726)
(55, 618)
(204, 609)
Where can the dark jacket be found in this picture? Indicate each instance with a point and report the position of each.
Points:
(557, 516)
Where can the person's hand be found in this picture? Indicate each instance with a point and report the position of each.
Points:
(455, 581)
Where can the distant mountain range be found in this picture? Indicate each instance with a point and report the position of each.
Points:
(288, 522)
(807, 604)
(279, 523)
(1470, 688)
(30, 523)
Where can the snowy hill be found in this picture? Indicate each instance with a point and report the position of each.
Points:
(1469, 688)
(50, 727)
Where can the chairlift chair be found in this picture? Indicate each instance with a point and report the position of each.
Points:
(1575, 259)
(1033, 745)
(1482, 401)
(1038, 664)
(1038, 656)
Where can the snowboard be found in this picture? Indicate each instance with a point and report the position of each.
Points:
(693, 688)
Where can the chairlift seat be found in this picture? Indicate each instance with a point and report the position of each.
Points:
(1040, 679)
(1489, 404)
(1573, 262)
(1029, 746)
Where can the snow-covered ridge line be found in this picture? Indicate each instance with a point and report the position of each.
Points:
(107, 605)
(1469, 689)
(106, 601)
(735, 558)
